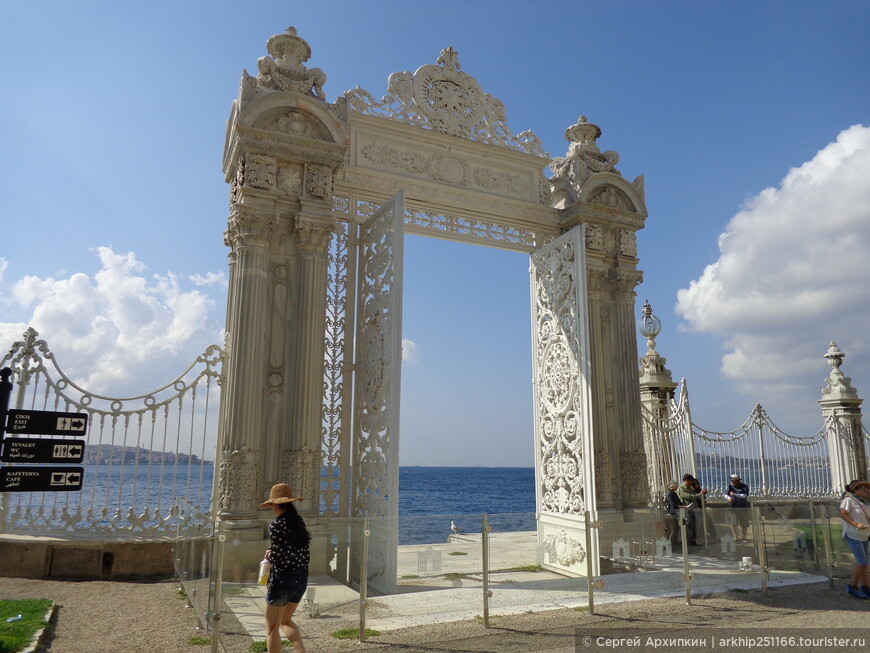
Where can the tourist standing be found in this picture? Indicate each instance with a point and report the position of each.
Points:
(289, 554)
(738, 504)
(673, 503)
(691, 499)
(855, 514)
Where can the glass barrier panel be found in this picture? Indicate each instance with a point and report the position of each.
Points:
(517, 577)
(332, 596)
(790, 549)
(835, 556)
(193, 551)
(640, 555)
(423, 569)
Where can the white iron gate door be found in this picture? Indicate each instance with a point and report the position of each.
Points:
(377, 384)
(564, 454)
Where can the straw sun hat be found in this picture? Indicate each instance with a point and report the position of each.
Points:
(280, 493)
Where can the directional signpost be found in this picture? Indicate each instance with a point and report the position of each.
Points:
(41, 479)
(42, 450)
(44, 422)
(28, 478)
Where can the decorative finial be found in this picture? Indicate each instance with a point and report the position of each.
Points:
(649, 326)
(284, 70)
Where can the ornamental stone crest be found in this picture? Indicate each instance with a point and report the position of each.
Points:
(584, 159)
(564, 549)
(443, 98)
(284, 69)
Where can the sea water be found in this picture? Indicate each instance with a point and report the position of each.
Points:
(429, 497)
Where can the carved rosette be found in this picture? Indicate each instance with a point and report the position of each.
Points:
(313, 235)
(556, 353)
(237, 483)
(289, 179)
(302, 469)
(564, 549)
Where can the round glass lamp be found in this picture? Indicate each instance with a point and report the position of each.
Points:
(649, 325)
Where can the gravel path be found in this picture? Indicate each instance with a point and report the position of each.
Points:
(115, 617)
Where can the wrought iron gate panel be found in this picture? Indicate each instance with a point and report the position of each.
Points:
(377, 367)
(562, 373)
(336, 432)
(145, 468)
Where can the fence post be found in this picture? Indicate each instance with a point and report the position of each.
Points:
(590, 566)
(484, 542)
(841, 409)
(363, 579)
(684, 537)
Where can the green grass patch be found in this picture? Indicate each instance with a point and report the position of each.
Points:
(410, 576)
(15, 635)
(738, 590)
(528, 568)
(582, 608)
(353, 633)
(457, 553)
(180, 594)
(232, 590)
(200, 640)
(259, 646)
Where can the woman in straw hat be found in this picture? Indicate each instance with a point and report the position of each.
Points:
(855, 514)
(289, 555)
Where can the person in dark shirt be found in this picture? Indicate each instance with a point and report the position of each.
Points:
(673, 503)
(289, 554)
(738, 504)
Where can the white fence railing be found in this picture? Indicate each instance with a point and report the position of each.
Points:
(772, 463)
(146, 464)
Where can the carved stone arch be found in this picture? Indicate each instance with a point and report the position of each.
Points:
(609, 189)
(321, 123)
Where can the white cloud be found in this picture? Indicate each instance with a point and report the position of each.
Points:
(410, 355)
(118, 332)
(4, 265)
(210, 279)
(793, 274)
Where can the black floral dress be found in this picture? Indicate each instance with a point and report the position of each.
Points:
(289, 576)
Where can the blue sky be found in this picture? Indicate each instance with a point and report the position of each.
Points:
(745, 118)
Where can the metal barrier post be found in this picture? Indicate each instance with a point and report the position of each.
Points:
(684, 536)
(814, 534)
(484, 542)
(829, 547)
(363, 579)
(590, 567)
(219, 579)
(760, 542)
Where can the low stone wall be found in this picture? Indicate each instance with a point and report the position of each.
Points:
(50, 557)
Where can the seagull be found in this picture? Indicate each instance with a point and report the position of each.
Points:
(454, 527)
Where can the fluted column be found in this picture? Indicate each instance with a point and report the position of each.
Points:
(248, 235)
(302, 442)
